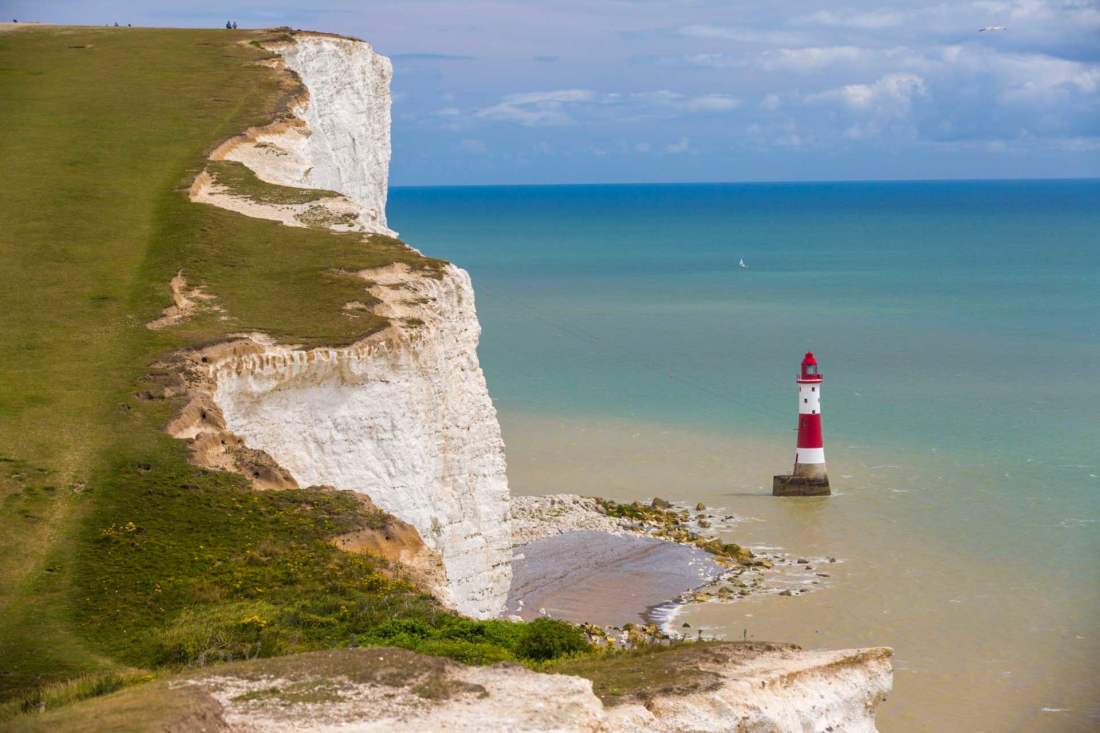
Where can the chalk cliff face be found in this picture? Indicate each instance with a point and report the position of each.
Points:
(348, 116)
(340, 140)
(403, 416)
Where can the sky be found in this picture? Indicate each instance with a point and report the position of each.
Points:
(575, 91)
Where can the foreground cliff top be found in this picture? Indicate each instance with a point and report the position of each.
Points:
(706, 686)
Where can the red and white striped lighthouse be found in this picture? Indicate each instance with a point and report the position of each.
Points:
(809, 477)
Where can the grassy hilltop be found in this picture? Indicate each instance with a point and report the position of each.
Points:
(118, 557)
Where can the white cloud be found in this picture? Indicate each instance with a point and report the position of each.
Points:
(714, 60)
(677, 102)
(561, 95)
(893, 91)
(883, 104)
(899, 71)
(534, 109)
(711, 103)
(1016, 79)
(1034, 79)
(741, 35)
(811, 58)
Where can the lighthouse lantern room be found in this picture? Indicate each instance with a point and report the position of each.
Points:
(809, 477)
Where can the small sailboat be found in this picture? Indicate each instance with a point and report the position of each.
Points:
(741, 264)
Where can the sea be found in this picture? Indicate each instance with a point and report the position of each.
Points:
(957, 325)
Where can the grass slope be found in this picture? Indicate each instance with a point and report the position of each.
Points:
(117, 553)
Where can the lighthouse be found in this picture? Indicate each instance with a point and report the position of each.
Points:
(808, 477)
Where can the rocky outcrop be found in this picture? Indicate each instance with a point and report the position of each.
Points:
(739, 688)
(784, 689)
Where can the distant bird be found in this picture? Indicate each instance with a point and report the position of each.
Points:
(993, 29)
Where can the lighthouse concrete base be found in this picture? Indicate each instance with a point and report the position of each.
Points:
(800, 486)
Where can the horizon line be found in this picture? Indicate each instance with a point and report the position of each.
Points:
(1048, 179)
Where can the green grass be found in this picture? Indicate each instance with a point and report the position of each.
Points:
(74, 690)
(147, 708)
(241, 181)
(644, 673)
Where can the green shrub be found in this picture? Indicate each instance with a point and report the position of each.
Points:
(547, 638)
(466, 652)
(444, 635)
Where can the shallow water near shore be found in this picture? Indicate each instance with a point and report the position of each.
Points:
(603, 579)
(957, 330)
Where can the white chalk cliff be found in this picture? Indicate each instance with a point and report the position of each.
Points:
(403, 416)
(340, 139)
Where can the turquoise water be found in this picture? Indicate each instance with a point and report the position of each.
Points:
(957, 325)
(959, 316)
